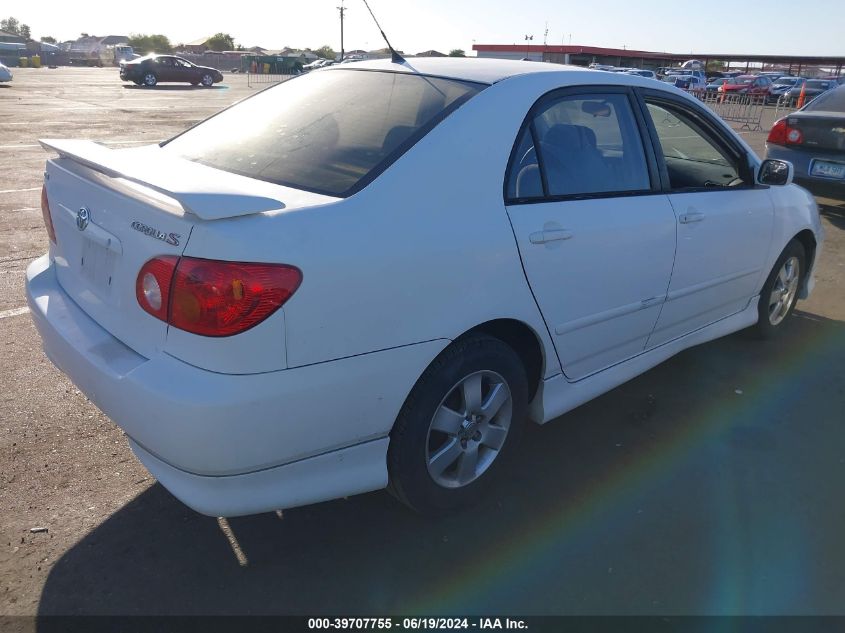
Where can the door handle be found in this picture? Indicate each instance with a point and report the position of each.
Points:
(549, 235)
(692, 216)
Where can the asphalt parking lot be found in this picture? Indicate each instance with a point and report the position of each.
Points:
(713, 484)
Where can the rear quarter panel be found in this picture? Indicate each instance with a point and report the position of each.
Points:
(424, 252)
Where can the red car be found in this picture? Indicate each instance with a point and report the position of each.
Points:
(748, 85)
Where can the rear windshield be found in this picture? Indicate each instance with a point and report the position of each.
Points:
(742, 81)
(329, 132)
(818, 85)
(830, 101)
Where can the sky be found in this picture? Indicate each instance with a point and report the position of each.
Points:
(412, 26)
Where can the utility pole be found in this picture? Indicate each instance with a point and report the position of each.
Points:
(342, 10)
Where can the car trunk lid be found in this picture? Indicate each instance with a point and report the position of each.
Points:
(113, 210)
(821, 130)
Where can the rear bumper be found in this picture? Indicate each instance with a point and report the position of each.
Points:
(235, 444)
(801, 159)
(331, 475)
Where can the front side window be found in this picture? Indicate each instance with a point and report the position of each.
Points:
(329, 132)
(586, 144)
(693, 158)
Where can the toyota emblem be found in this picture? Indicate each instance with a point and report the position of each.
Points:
(82, 218)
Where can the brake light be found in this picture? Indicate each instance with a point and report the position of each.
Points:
(782, 134)
(214, 298)
(45, 213)
(152, 287)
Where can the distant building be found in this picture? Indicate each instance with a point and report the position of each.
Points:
(197, 46)
(625, 57)
(11, 38)
(431, 53)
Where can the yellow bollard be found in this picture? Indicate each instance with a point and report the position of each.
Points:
(36, 61)
(23, 62)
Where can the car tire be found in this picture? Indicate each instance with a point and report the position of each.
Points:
(207, 80)
(459, 425)
(149, 79)
(780, 292)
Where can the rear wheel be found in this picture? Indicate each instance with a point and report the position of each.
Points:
(150, 79)
(780, 292)
(458, 425)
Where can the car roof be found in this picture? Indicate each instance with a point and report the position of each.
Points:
(481, 70)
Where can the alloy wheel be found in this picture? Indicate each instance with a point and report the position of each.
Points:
(468, 429)
(784, 290)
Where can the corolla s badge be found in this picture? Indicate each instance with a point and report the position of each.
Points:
(82, 218)
(169, 238)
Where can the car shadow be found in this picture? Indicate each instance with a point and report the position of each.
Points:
(646, 500)
(834, 211)
(173, 87)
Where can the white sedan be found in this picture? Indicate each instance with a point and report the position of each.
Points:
(374, 274)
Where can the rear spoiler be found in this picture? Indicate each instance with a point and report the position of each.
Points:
(208, 193)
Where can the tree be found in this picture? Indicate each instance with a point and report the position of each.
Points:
(150, 43)
(220, 42)
(47, 39)
(457, 52)
(326, 52)
(10, 25)
(25, 32)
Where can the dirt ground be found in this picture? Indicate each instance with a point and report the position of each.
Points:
(713, 484)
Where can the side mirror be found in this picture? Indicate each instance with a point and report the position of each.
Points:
(775, 172)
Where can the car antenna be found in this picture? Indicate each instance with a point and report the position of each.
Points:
(395, 57)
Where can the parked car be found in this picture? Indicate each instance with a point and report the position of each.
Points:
(813, 140)
(686, 80)
(812, 88)
(339, 292)
(784, 84)
(318, 63)
(714, 85)
(154, 69)
(642, 73)
(5, 73)
(755, 85)
(313, 65)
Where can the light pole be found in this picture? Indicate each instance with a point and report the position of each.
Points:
(342, 10)
(528, 38)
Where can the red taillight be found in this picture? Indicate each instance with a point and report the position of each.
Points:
(45, 213)
(214, 298)
(782, 134)
(152, 287)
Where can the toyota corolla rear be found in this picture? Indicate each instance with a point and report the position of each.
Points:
(164, 298)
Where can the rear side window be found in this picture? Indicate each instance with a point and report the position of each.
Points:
(832, 101)
(329, 132)
(586, 144)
